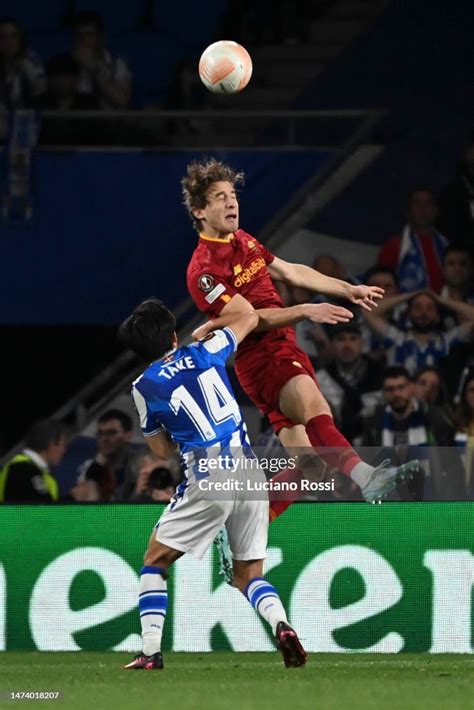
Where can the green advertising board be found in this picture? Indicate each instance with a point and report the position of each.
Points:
(353, 577)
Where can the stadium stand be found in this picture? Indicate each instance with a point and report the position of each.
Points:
(34, 16)
(436, 86)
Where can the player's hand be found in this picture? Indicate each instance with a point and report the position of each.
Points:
(203, 330)
(366, 296)
(326, 313)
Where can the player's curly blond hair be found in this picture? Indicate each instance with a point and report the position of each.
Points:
(199, 177)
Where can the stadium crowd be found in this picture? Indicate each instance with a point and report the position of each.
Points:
(401, 376)
(399, 379)
(91, 76)
(87, 77)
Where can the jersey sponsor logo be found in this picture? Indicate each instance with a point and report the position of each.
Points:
(215, 293)
(250, 271)
(237, 269)
(206, 283)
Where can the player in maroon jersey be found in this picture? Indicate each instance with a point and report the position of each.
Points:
(230, 272)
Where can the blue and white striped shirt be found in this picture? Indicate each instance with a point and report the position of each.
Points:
(404, 349)
(188, 394)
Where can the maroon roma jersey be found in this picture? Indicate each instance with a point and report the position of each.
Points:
(220, 268)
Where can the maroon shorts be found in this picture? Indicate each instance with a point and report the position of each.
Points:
(264, 369)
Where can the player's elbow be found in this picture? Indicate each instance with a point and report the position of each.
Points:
(253, 318)
(250, 320)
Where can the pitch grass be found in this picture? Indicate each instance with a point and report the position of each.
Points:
(243, 681)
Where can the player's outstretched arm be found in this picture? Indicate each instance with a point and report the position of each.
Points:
(305, 276)
(269, 318)
(241, 322)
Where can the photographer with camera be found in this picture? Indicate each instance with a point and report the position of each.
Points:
(156, 479)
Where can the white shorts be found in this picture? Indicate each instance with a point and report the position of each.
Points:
(191, 522)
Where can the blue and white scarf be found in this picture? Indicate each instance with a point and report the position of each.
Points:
(412, 268)
(417, 435)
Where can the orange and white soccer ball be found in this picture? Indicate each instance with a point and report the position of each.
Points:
(225, 67)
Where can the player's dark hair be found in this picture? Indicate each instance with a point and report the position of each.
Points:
(43, 433)
(395, 371)
(200, 175)
(124, 418)
(380, 270)
(149, 331)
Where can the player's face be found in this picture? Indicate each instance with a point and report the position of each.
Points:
(220, 216)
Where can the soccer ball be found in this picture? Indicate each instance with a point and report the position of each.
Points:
(225, 67)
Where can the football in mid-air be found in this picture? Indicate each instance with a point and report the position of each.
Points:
(225, 67)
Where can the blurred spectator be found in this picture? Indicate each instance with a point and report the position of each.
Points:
(464, 437)
(110, 470)
(313, 338)
(330, 266)
(456, 203)
(102, 74)
(22, 74)
(424, 343)
(416, 430)
(88, 491)
(457, 274)
(155, 478)
(429, 387)
(154, 482)
(63, 87)
(416, 254)
(385, 278)
(351, 383)
(402, 419)
(27, 478)
(284, 291)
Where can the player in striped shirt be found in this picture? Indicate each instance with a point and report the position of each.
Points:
(184, 398)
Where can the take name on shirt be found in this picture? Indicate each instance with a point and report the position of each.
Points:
(169, 371)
